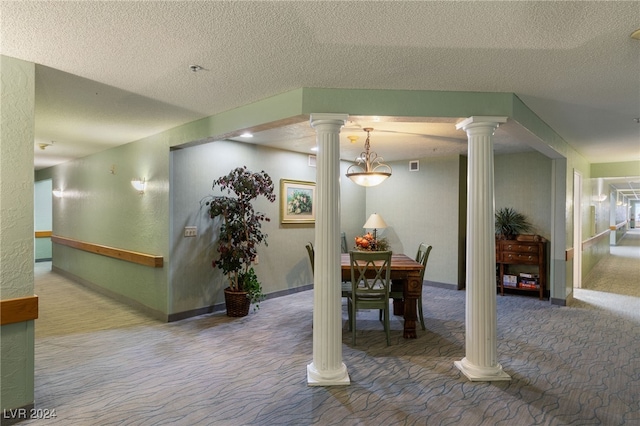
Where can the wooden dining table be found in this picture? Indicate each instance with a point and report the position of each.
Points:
(405, 271)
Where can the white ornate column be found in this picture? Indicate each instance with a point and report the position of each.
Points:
(327, 367)
(480, 362)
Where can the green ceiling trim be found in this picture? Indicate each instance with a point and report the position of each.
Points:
(551, 144)
(285, 106)
(405, 103)
(297, 105)
(623, 169)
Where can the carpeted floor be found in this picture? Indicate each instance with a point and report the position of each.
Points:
(101, 363)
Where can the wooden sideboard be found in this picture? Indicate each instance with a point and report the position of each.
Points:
(530, 251)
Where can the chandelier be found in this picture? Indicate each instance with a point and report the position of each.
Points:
(368, 170)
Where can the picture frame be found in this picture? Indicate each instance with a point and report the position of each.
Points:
(297, 201)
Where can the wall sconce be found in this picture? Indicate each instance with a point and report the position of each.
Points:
(139, 184)
(58, 193)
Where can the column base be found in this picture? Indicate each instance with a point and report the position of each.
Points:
(481, 374)
(315, 378)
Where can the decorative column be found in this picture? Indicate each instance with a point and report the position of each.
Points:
(480, 362)
(327, 367)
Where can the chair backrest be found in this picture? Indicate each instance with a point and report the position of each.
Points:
(422, 257)
(370, 273)
(343, 243)
(311, 254)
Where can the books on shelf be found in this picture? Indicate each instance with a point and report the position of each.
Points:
(527, 275)
(510, 281)
(523, 280)
(529, 281)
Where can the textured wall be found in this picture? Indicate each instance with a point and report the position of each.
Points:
(523, 182)
(420, 207)
(100, 206)
(16, 226)
(284, 264)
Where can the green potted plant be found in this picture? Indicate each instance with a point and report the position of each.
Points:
(240, 234)
(510, 223)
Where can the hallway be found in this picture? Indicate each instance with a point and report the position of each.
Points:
(614, 283)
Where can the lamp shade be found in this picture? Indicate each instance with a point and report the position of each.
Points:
(368, 178)
(375, 221)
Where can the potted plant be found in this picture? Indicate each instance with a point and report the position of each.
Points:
(240, 234)
(510, 223)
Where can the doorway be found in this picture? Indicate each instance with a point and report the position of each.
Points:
(577, 229)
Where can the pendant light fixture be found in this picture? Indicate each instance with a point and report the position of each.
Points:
(368, 170)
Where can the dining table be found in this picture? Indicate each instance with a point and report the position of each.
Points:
(405, 272)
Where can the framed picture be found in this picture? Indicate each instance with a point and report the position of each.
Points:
(297, 201)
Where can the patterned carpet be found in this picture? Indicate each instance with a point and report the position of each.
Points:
(101, 363)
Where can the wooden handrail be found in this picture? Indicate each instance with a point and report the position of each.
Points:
(43, 234)
(18, 310)
(617, 226)
(126, 255)
(568, 254)
(593, 240)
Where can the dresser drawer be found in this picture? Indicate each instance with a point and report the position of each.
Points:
(519, 247)
(516, 257)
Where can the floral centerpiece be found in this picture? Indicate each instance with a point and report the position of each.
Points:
(367, 242)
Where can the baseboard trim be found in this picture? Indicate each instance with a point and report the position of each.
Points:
(559, 302)
(178, 316)
(446, 286)
(289, 291)
(153, 313)
(220, 307)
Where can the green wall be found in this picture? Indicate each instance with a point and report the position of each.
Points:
(100, 206)
(17, 100)
(283, 264)
(523, 182)
(422, 206)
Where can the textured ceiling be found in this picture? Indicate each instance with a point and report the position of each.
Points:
(113, 72)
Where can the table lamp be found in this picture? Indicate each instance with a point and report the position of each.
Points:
(375, 222)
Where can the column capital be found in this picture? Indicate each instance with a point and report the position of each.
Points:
(476, 121)
(328, 118)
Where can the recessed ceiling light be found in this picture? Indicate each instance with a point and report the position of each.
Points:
(636, 34)
(246, 135)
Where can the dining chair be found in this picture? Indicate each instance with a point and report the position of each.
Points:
(370, 284)
(345, 286)
(422, 256)
(311, 254)
(343, 243)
